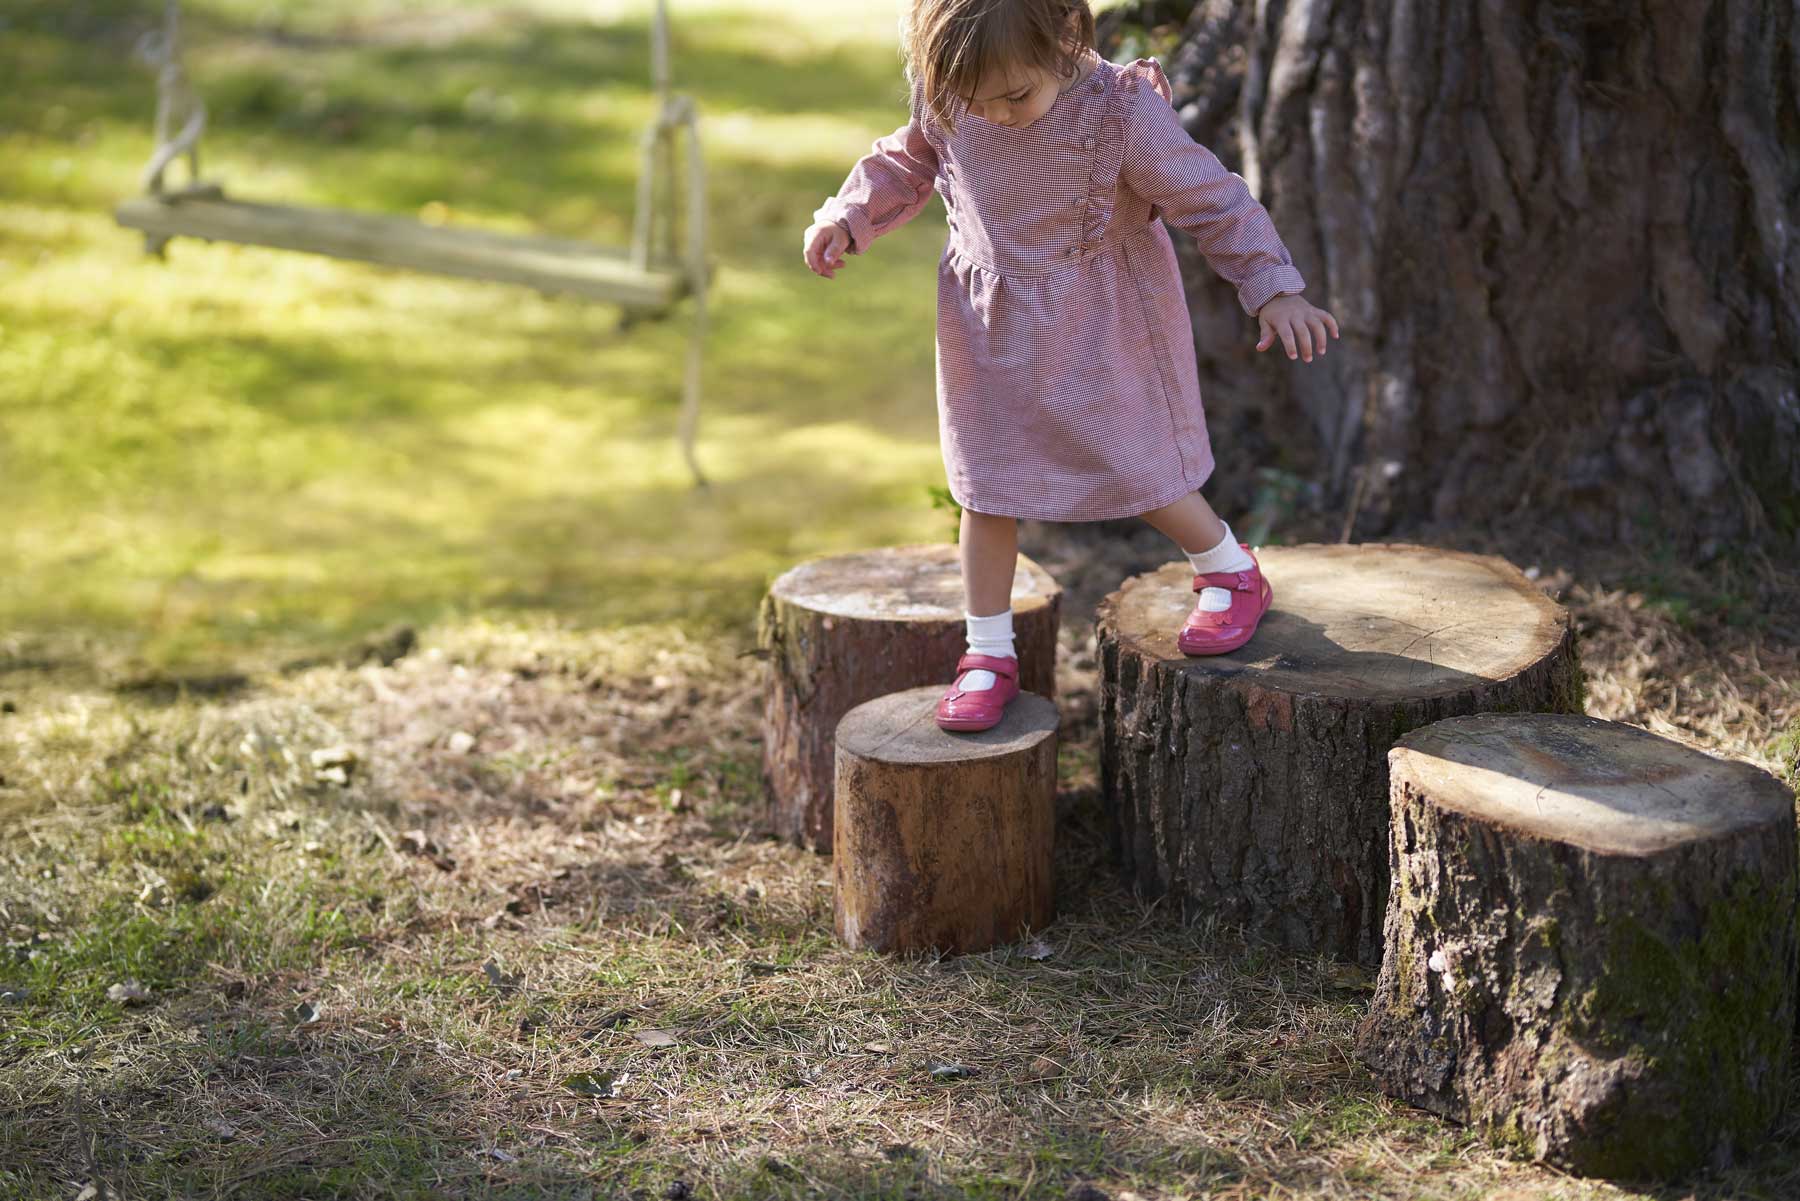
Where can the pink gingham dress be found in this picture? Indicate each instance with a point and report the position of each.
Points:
(1067, 387)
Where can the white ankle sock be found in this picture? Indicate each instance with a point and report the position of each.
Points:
(991, 635)
(1226, 556)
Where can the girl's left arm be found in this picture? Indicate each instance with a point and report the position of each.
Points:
(1196, 193)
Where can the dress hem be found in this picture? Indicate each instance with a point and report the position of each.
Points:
(1190, 483)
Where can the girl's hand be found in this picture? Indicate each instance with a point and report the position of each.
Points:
(824, 247)
(1300, 326)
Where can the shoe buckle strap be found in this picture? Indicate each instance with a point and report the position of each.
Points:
(1000, 667)
(1231, 581)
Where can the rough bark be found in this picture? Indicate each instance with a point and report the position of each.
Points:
(1590, 942)
(943, 840)
(1253, 786)
(1561, 241)
(843, 629)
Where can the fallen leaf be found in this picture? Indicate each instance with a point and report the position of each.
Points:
(655, 1038)
(461, 742)
(334, 756)
(878, 1048)
(222, 1130)
(305, 1013)
(951, 1071)
(499, 979)
(497, 1153)
(596, 1084)
(414, 842)
(129, 992)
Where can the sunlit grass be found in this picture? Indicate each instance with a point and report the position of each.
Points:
(239, 453)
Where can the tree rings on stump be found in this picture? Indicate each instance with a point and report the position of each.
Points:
(1590, 944)
(1254, 785)
(846, 628)
(943, 840)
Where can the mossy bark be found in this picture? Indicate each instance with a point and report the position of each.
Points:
(1621, 1014)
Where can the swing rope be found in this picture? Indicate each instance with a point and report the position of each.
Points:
(174, 95)
(177, 103)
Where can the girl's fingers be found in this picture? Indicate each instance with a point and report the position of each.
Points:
(1287, 338)
(1268, 335)
(1331, 321)
(1318, 332)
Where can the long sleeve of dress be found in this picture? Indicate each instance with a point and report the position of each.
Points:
(1195, 192)
(887, 187)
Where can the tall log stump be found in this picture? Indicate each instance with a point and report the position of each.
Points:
(1590, 944)
(1254, 785)
(943, 840)
(843, 629)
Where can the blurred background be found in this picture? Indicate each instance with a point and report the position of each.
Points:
(246, 456)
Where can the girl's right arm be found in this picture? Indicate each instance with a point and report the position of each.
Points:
(885, 189)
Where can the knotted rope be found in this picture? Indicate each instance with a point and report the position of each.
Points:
(162, 50)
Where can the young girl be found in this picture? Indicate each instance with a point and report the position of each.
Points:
(1067, 383)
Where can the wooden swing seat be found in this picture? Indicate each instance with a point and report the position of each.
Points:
(547, 264)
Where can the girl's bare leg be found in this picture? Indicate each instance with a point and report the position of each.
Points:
(990, 553)
(1190, 521)
(1206, 541)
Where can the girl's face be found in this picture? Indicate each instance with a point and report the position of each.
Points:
(1015, 97)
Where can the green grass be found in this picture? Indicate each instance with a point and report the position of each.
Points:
(247, 453)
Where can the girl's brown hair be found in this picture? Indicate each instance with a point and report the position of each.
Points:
(952, 44)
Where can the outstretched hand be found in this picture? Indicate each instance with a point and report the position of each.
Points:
(1299, 325)
(824, 246)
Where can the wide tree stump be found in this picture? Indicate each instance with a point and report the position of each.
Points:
(1253, 786)
(843, 629)
(943, 840)
(1590, 943)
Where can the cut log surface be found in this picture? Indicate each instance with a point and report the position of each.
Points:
(844, 629)
(1253, 786)
(943, 841)
(1591, 942)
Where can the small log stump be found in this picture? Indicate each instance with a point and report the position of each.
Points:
(943, 840)
(1254, 785)
(843, 629)
(1590, 943)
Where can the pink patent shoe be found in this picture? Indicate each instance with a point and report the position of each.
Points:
(1225, 631)
(981, 709)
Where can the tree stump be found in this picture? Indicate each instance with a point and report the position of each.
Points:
(1254, 785)
(843, 629)
(943, 840)
(1591, 942)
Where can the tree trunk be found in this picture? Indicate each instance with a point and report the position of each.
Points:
(1590, 944)
(1560, 239)
(843, 629)
(1254, 785)
(943, 840)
